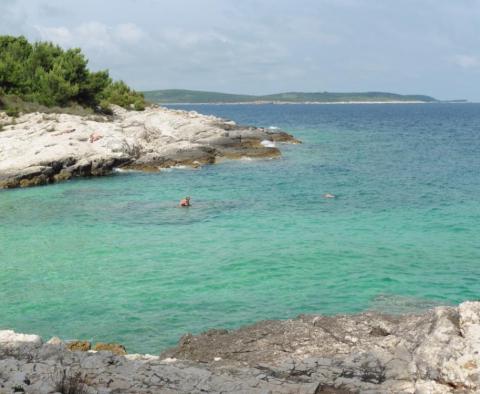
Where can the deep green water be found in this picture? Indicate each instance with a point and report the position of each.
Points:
(113, 259)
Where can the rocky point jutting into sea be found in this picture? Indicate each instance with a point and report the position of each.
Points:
(37, 149)
(434, 352)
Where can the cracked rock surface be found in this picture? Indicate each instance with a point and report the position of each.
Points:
(434, 352)
(37, 149)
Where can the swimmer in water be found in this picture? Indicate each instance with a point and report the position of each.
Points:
(185, 202)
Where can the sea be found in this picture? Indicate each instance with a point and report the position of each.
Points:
(114, 259)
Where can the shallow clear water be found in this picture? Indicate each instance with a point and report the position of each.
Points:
(113, 259)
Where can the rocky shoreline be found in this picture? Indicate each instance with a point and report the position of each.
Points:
(437, 351)
(38, 149)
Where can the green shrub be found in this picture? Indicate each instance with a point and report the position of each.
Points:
(46, 74)
(104, 107)
(139, 104)
(120, 94)
(14, 112)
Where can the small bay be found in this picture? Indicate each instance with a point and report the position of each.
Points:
(113, 259)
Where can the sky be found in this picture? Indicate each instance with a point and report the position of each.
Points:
(267, 46)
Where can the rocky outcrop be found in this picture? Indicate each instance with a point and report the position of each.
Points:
(37, 149)
(434, 352)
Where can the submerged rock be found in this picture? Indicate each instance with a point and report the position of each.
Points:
(39, 149)
(111, 347)
(79, 346)
(437, 351)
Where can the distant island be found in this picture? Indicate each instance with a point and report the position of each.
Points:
(197, 97)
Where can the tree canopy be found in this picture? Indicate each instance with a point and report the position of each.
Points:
(46, 74)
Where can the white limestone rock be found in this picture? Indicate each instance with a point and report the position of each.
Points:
(43, 148)
(9, 339)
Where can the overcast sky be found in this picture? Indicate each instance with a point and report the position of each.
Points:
(267, 46)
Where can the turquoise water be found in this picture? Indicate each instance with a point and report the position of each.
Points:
(113, 259)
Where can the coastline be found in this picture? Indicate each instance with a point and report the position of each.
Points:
(316, 103)
(302, 103)
(434, 352)
(437, 351)
(39, 149)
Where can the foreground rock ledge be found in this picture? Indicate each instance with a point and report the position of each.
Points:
(435, 352)
(37, 149)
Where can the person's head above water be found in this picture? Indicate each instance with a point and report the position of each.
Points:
(185, 202)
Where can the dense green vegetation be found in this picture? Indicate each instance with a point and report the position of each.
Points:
(47, 75)
(192, 96)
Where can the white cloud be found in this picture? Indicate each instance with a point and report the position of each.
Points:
(105, 46)
(467, 61)
(129, 32)
(59, 35)
(253, 46)
(93, 35)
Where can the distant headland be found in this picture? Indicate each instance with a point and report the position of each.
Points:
(181, 96)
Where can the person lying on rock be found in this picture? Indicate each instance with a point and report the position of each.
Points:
(185, 202)
(95, 137)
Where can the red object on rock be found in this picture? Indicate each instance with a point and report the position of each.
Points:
(95, 137)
